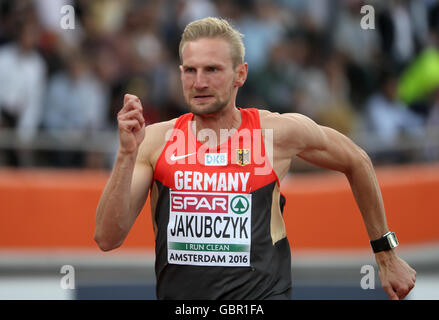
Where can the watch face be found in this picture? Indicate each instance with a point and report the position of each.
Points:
(392, 240)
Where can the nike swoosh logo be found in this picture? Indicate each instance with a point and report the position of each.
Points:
(175, 158)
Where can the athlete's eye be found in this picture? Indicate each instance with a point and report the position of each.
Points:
(212, 69)
(189, 69)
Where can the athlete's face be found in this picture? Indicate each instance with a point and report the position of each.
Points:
(209, 80)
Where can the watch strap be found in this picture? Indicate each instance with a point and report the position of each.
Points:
(383, 243)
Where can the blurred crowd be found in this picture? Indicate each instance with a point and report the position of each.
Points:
(307, 56)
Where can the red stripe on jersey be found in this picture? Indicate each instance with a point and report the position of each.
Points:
(238, 165)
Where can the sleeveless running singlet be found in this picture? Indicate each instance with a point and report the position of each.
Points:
(217, 211)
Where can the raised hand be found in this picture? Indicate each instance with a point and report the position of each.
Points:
(131, 124)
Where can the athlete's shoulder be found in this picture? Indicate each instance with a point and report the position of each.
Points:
(276, 120)
(290, 130)
(159, 127)
(155, 139)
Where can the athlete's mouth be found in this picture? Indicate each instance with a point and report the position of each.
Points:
(203, 96)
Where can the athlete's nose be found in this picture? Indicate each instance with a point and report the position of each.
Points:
(200, 81)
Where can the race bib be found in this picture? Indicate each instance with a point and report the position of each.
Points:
(209, 229)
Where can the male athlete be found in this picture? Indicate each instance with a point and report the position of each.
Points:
(214, 178)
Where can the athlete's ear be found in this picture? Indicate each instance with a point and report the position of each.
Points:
(181, 72)
(241, 74)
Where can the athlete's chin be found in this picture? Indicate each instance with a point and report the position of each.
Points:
(205, 109)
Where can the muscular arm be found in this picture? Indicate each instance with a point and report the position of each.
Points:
(332, 150)
(327, 148)
(122, 200)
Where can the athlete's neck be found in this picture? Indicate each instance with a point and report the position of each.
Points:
(227, 119)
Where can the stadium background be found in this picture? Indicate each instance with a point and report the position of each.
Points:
(60, 90)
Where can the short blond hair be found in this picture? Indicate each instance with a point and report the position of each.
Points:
(215, 28)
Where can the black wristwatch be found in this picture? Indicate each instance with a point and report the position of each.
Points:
(386, 242)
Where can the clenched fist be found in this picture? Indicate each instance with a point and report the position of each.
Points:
(131, 124)
(397, 277)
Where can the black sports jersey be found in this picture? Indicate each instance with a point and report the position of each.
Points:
(217, 211)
